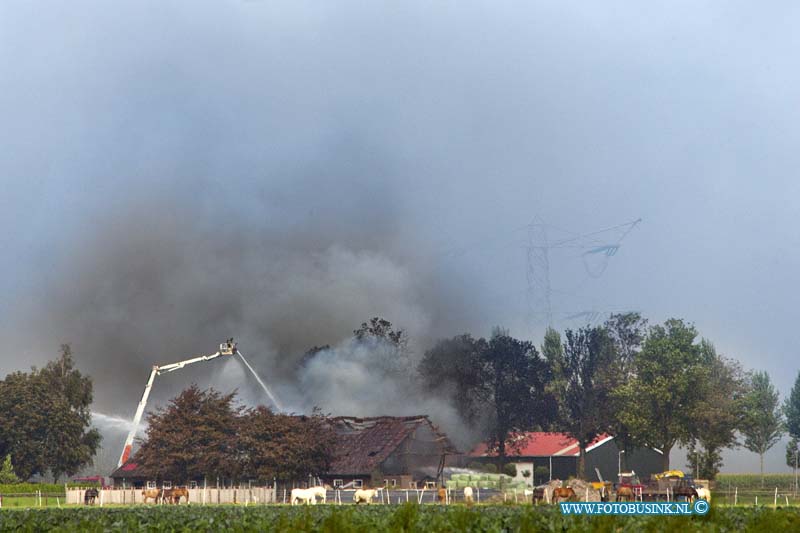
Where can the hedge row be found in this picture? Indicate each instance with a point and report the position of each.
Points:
(48, 488)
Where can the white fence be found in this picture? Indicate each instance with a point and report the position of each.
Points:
(259, 495)
(245, 495)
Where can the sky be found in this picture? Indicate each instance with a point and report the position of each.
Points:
(175, 173)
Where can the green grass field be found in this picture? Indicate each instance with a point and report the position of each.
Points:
(12, 501)
(378, 518)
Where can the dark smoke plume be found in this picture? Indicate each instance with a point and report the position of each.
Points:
(157, 281)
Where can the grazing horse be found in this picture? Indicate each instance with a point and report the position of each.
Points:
(442, 495)
(625, 493)
(537, 495)
(90, 496)
(468, 495)
(567, 494)
(306, 496)
(155, 494)
(703, 494)
(320, 492)
(364, 495)
(175, 495)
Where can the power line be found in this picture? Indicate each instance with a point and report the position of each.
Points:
(595, 257)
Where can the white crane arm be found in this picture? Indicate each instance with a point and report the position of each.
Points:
(126, 450)
(226, 348)
(176, 366)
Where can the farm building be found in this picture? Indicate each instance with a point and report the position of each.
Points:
(384, 450)
(398, 451)
(129, 475)
(559, 454)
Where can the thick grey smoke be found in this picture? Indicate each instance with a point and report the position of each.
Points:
(176, 173)
(156, 283)
(372, 378)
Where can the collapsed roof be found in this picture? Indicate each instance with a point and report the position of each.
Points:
(362, 444)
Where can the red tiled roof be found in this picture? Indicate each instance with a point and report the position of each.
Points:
(539, 444)
(364, 443)
(129, 469)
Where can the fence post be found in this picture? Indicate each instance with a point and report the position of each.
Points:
(775, 501)
(736, 496)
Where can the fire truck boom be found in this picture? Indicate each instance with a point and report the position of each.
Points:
(226, 348)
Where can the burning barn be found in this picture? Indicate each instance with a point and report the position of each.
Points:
(396, 451)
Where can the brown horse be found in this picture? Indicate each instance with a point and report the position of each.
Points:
(567, 494)
(155, 494)
(174, 495)
(625, 493)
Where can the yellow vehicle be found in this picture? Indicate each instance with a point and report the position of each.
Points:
(670, 473)
(604, 488)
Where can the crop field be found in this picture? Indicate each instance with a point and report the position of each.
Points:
(784, 482)
(403, 518)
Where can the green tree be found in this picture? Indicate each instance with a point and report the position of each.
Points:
(515, 388)
(7, 475)
(659, 402)
(452, 368)
(45, 419)
(791, 409)
(381, 328)
(586, 379)
(23, 425)
(553, 351)
(71, 444)
(763, 420)
(389, 346)
(627, 332)
(705, 463)
(193, 437)
(793, 456)
(716, 418)
(284, 446)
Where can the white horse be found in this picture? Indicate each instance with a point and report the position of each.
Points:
(365, 495)
(320, 492)
(703, 494)
(468, 494)
(306, 496)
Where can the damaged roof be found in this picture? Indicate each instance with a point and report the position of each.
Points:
(129, 470)
(362, 444)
